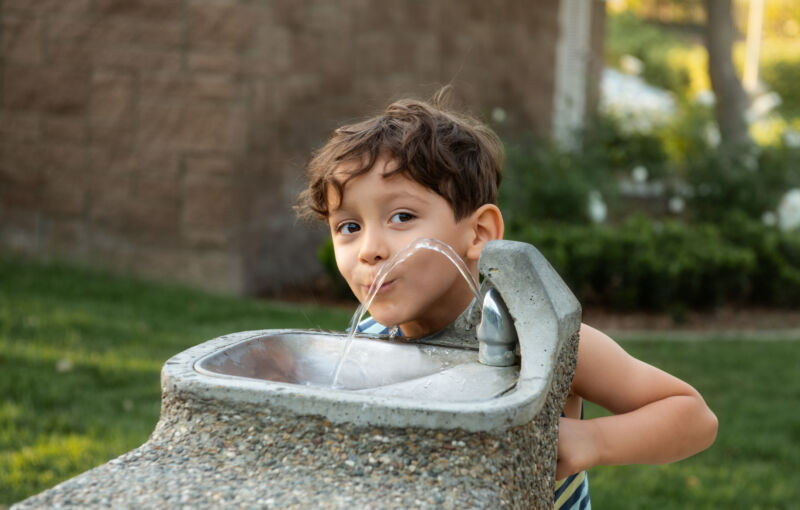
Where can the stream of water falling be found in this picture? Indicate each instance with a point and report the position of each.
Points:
(399, 257)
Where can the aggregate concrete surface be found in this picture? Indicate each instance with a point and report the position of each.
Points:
(202, 457)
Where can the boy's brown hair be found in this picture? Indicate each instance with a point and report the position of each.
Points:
(449, 153)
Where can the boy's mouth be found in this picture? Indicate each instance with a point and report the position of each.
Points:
(385, 286)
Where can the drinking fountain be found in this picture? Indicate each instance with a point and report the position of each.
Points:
(466, 417)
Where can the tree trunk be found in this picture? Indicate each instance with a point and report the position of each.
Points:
(731, 100)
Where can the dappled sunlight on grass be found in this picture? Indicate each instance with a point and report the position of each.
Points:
(65, 359)
(51, 458)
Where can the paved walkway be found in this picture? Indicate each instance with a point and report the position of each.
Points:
(723, 324)
(761, 335)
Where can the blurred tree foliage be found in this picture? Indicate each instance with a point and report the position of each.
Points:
(666, 35)
(781, 17)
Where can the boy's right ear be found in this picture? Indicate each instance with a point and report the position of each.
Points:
(487, 225)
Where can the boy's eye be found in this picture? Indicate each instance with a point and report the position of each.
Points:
(401, 217)
(348, 228)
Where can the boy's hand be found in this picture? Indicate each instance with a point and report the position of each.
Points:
(576, 447)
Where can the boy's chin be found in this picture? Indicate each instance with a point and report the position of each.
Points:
(414, 318)
(388, 318)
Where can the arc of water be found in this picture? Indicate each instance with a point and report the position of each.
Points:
(399, 257)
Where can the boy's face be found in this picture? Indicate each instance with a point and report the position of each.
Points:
(378, 217)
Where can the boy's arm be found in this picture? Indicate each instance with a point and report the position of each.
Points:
(657, 417)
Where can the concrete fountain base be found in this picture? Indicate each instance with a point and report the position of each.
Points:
(202, 455)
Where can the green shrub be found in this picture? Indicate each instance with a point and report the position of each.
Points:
(672, 266)
(775, 279)
(612, 150)
(541, 181)
(721, 190)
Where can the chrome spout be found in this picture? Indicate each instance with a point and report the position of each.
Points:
(497, 337)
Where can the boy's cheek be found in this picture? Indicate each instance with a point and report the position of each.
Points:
(343, 267)
(339, 258)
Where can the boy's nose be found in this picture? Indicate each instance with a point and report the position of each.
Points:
(374, 247)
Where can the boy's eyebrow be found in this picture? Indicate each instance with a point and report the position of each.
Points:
(386, 197)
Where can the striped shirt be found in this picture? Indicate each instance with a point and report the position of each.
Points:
(373, 327)
(572, 493)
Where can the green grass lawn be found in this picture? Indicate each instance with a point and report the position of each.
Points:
(754, 388)
(80, 355)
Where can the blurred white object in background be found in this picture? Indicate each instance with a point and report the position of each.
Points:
(676, 205)
(713, 137)
(640, 106)
(596, 207)
(791, 138)
(639, 174)
(499, 115)
(762, 105)
(789, 210)
(631, 65)
(705, 98)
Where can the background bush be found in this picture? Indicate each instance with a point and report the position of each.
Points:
(670, 265)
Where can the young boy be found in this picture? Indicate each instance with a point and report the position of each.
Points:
(421, 171)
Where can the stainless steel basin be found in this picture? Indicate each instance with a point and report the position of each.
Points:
(374, 366)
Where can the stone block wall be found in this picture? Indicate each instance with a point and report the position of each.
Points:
(167, 138)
